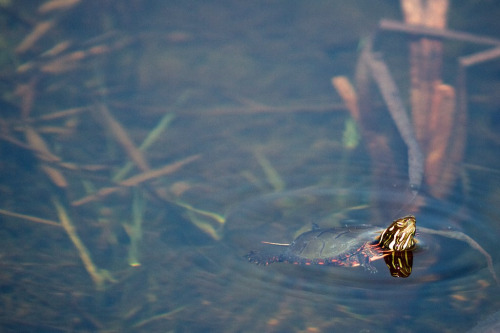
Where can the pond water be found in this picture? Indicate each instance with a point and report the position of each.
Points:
(447, 274)
(245, 89)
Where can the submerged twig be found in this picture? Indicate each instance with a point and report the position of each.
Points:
(99, 276)
(30, 218)
(38, 32)
(136, 180)
(53, 5)
(479, 57)
(122, 137)
(472, 243)
(421, 30)
(348, 95)
(158, 317)
(134, 230)
(271, 173)
(39, 145)
(238, 110)
(199, 218)
(63, 113)
(148, 141)
(216, 217)
(45, 155)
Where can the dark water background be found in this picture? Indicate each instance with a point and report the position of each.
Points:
(248, 85)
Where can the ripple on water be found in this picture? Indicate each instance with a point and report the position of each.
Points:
(442, 267)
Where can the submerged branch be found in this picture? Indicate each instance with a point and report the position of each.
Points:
(423, 31)
(120, 134)
(472, 243)
(136, 180)
(30, 218)
(99, 276)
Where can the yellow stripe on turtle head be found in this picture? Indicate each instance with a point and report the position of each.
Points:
(399, 236)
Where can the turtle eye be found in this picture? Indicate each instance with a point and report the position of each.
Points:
(404, 221)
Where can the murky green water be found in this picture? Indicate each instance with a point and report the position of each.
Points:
(248, 90)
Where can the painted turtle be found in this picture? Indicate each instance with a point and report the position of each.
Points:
(349, 246)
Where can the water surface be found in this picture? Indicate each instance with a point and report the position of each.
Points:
(248, 88)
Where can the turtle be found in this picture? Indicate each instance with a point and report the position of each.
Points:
(349, 246)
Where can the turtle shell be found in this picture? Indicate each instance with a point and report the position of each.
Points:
(350, 246)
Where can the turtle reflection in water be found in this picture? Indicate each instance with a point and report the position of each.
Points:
(350, 247)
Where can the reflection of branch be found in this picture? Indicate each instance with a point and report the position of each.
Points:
(443, 122)
(361, 107)
(472, 243)
(398, 113)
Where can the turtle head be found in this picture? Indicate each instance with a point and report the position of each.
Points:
(400, 235)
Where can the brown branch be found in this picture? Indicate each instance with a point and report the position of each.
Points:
(45, 155)
(347, 93)
(38, 32)
(423, 31)
(30, 218)
(136, 180)
(122, 137)
(479, 57)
